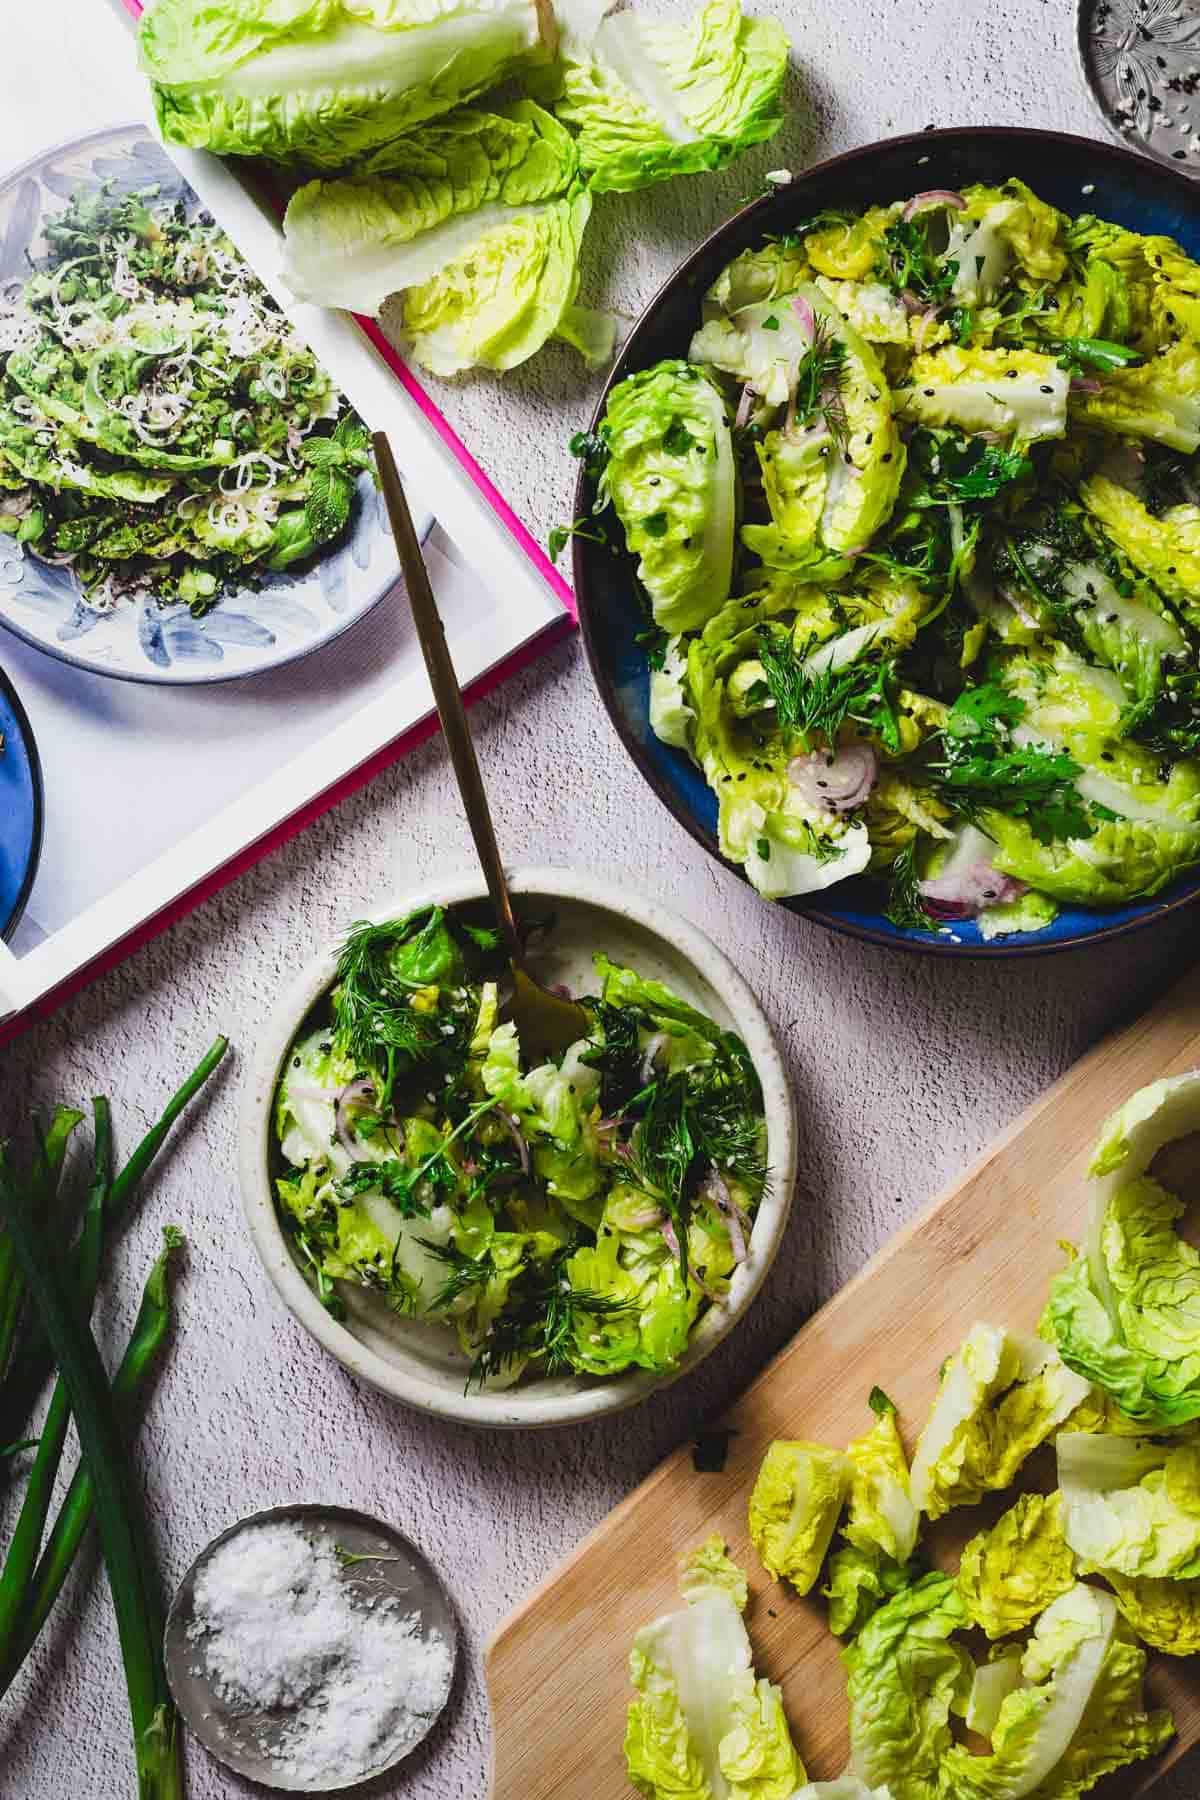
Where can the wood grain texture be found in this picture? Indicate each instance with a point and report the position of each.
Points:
(986, 1249)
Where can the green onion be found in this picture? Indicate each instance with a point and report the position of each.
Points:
(26, 1540)
(126, 1185)
(51, 1153)
(32, 1361)
(75, 1513)
(119, 1514)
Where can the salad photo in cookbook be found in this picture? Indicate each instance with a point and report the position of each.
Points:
(335, 1236)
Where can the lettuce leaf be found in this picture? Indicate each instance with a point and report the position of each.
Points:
(1128, 1315)
(881, 1513)
(475, 223)
(702, 1727)
(325, 81)
(1166, 549)
(1000, 1397)
(1019, 393)
(1009, 1574)
(1130, 1505)
(905, 1677)
(794, 1508)
(671, 479)
(1165, 1612)
(652, 100)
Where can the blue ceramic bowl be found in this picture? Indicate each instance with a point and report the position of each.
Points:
(20, 808)
(1077, 175)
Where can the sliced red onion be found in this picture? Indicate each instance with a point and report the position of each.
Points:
(1086, 384)
(836, 783)
(805, 314)
(966, 894)
(1023, 613)
(931, 198)
(672, 1242)
(912, 304)
(513, 1128)
(607, 1133)
(927, 319)
(362, 1089)
(730, 1212)
(745, 408)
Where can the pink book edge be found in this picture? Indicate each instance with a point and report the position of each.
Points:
(142, 933)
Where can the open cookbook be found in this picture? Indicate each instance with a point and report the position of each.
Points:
(204, 641)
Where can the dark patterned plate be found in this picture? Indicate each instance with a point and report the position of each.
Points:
(1076, 174)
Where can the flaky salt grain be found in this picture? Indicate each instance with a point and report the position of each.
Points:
(279, 1630)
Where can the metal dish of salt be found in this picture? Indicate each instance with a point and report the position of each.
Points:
(311, 1648)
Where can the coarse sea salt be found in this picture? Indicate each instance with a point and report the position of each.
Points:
(350, 1680)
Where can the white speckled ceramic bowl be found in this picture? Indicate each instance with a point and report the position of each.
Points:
(420, 1363)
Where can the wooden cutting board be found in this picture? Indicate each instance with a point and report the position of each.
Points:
(985, 1250)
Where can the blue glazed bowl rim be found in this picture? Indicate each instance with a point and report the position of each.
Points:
(13, 701)
(591, 615)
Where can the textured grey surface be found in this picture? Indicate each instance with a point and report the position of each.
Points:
(903, 1068)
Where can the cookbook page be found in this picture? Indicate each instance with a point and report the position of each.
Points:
(162, 710)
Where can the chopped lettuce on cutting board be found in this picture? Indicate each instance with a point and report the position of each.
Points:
(1036, 1643)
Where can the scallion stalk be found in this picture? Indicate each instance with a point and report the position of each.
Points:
(75, 1514)
(119, 1513)
(32, 1361)
(21, 1559)
(51, 1153)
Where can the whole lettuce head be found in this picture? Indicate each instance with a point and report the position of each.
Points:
(1127, 1316)
(474, 223)
(905, 1677)
(794, 1508)
(1000, 1397)
(325, 81)
(702, 1726)
(1131, 1505)
(671, 479)
(652, 100)
(1009, 1574)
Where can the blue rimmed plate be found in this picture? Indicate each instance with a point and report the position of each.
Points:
(20, 808)
(283, 617)
(1076, 174)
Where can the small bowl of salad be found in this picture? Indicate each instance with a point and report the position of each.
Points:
(508, 1243)
(888, 542)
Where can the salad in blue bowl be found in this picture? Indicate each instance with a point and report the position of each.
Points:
(888, 547)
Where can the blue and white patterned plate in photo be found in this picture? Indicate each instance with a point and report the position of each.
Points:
(283, 617)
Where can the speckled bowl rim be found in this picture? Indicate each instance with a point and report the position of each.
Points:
(519, 1407)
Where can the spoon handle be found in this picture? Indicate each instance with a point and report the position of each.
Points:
(447, 695)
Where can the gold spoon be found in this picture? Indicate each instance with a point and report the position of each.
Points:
(546, 1023)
